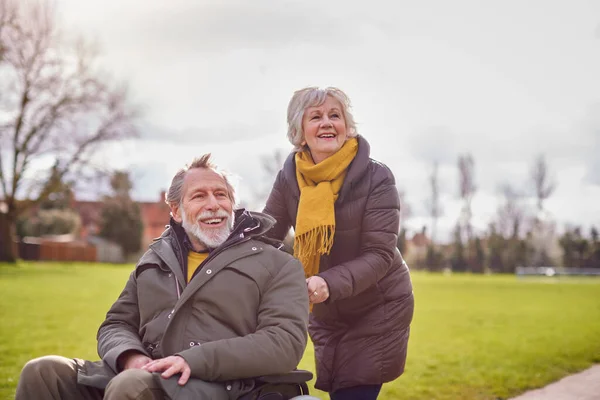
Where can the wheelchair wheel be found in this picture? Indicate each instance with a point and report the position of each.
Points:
(304, 397)
(284, 391)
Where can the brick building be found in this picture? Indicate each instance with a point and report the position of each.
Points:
(155, 215)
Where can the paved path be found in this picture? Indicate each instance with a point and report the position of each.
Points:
(582, 386)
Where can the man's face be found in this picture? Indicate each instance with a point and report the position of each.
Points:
(206, 210)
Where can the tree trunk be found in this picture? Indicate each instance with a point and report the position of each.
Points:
(8, 247)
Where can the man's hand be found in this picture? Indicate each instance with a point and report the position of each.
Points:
(318, 291)
(133, 359)
(170, 366)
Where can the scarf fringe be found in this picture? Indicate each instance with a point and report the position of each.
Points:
(314, 243)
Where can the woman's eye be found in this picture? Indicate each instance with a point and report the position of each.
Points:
(314, 117)
(334, 116)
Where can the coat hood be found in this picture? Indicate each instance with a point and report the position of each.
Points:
(173, 244)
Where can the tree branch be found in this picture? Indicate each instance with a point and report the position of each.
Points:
(2, 178)
(58, 105)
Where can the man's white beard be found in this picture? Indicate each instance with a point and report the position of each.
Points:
(210, 238)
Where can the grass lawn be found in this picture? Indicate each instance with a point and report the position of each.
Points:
(473, 337)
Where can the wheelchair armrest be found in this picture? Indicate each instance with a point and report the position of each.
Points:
(296, 376)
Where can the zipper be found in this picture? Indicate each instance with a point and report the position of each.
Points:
(243, 240)
(177, 287)
(210, 257)
(216, 253)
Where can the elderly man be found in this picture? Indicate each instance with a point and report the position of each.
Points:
(208, 305)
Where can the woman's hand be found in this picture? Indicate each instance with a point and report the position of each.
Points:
(318, 291)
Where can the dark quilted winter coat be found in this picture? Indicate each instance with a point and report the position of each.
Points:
(361, 332)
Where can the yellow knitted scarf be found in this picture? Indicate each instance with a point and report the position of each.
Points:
(319, 186)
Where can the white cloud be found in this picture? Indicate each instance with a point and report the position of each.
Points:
(504, 80)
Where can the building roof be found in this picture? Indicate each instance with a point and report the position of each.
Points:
(155, 215)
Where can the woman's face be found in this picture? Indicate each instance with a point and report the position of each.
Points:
(324, 129)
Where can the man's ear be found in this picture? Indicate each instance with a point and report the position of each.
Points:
(176, 212)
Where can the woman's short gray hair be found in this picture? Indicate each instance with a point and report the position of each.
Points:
(174, 195)
(313, 97)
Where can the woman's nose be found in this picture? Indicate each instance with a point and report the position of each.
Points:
(326, 122)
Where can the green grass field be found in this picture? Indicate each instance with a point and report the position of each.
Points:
(473, 337)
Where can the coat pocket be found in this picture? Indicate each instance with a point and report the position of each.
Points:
(193, 389)
(238, 388)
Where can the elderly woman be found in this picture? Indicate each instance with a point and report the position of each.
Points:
(345, 211)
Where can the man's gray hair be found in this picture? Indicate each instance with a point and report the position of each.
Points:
(314, 97)
(174, 195)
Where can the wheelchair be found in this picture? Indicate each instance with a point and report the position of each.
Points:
(281, 387)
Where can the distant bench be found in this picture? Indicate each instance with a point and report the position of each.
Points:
(556, 271)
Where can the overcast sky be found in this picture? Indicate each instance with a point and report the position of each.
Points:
(429, 80)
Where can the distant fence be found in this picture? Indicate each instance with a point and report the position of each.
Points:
(40, 250)
(556, 271)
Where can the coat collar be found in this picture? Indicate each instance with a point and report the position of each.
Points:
(173, 245)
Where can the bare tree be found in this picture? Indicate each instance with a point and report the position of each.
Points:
(55, 106)
(405, 208)
(511, 212)
(271, 164)
(467, 189)
(433, 203)
(543, 229)
(544, 185)
(8, 15)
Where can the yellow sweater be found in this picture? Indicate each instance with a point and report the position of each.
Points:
(194, 261)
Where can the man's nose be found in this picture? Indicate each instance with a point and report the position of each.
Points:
(212, 203)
